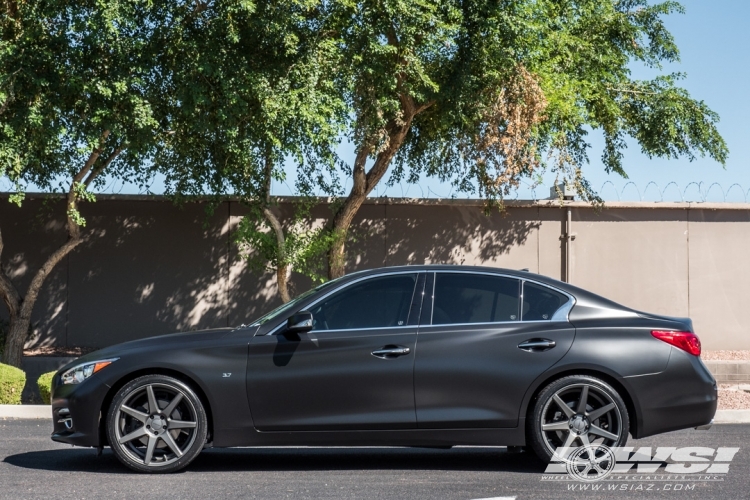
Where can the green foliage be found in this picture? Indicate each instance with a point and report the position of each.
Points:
(12, 381)
(249, 90)
(304, 247)
(492, 91)
(44, 382)
(76, 78)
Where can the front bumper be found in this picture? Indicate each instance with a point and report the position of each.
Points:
(681, 397)
(76, 411)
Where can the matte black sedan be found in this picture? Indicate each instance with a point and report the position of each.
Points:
(430, 356)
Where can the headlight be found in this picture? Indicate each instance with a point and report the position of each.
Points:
(81, 372)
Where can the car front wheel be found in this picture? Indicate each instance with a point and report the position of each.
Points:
(156, 424)
(577, 411)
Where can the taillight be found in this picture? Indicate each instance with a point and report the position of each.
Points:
(687, 341)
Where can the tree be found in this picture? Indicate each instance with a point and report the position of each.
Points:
(74, 109)
(485, 93)
(248, 88)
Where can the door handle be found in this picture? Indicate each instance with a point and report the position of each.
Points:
(537, 345)
(390, 351)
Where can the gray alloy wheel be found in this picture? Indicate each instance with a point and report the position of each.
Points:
(576, 411)
(156, 424)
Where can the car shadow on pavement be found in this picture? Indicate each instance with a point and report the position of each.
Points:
(299, 459)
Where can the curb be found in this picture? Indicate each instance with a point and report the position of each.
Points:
(729, 371)
(26, 411)
(732, 417)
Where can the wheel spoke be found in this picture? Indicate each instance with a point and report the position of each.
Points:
(600, 411)
(585, 441)
(150, 449)
(565, 408)
(134, 413)
(172, 404)
(598, 431)
(141, 431)
(556, 426)
(569, 441)
(167, 437)
(181, 424)
(153, 406)
(583, 400)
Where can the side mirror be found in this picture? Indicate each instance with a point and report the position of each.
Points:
(300, 322)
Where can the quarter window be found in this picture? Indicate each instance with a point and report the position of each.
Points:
(540, 303)
(474, 298)
(373, 303)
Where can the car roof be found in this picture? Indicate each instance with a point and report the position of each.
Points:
(580, 294)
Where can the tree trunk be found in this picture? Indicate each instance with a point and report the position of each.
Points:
(19, 326)
(282, 281)
(362, 186)
(15, 340)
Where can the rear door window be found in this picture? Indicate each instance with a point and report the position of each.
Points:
(475, 298)
(540, 303)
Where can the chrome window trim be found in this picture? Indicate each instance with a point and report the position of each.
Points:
(561, 315)
(344, 286)
(490, 323)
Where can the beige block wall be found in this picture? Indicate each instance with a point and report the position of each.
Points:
(636, 258)
(151, 268)
(720, 277)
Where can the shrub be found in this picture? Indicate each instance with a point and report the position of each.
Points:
(45, 386)
(12, 381)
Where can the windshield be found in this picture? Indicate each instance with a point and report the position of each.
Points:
(283, 309)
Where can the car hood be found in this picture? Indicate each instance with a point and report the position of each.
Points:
(184, 338)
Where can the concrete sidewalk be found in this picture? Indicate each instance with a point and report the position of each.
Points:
(26, 411)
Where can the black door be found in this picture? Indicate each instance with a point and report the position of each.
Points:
(469, 369)
(354, 370)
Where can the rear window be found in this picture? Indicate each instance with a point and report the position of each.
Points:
(540, 303)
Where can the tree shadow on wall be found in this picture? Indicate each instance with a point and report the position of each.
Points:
(146, 268)
(445, 234)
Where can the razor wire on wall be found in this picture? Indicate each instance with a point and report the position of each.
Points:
(693, 191)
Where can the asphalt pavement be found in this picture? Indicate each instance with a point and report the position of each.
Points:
(32, 466)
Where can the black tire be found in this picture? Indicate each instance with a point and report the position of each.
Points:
(156, 424)
(569, 426)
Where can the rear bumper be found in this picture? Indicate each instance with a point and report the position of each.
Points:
(682, 396)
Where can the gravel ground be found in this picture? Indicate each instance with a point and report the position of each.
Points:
(733, 397)
(726, 355)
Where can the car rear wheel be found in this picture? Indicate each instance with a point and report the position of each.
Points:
(156, 424)
(577, 411)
